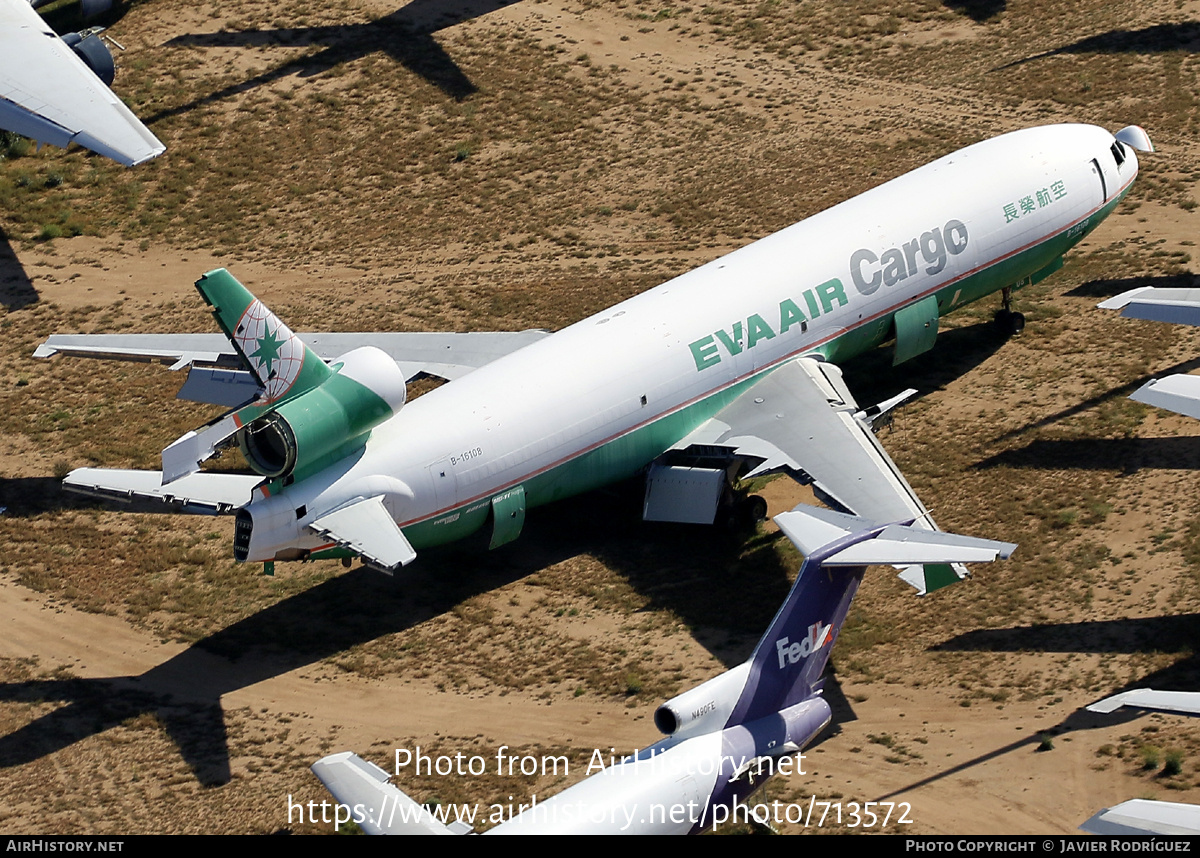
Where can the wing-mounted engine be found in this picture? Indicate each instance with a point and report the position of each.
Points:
(90, 48)
(307, 413)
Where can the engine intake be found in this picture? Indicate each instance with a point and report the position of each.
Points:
(330, 421)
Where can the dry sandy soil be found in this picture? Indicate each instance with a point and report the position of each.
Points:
(520, 165)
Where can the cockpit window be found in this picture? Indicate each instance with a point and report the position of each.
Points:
(1118, 152)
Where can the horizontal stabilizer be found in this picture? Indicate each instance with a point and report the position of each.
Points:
(1178, 393)
(177, 349)
(217, 385)
(366, 527)
(200, 492)
(1142, 816)
(1187, 702)
(810, 528)
(184, 455)
(1155, 304)
(374, 804)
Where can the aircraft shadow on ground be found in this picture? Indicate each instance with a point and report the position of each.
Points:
(406, 35)
(1160, 38)
(1129, 455)
(185, 691)
(1167, 634)
(16, 289)
(977, 10)
(872, 378)
(25, 497)
(1121, 392)
(723, 587)
(680, 572)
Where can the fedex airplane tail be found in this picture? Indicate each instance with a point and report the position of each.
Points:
(724, 737)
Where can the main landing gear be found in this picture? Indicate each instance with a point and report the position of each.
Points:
(740, 514)
(1009, 322)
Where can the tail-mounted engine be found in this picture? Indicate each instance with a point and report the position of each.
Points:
(303, 433)
(307, 414)
(326, 423)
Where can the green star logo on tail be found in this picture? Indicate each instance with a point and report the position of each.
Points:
(268, 350)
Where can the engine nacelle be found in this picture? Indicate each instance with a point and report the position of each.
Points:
(89, 47)
(704, 708)
(326, 423)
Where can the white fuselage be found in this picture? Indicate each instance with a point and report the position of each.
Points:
(599, 400)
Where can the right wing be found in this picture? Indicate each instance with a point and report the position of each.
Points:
(1155, 304)
(49, 94)
(1179, 393)
(201, 492)
(217, 374)
(801, 420)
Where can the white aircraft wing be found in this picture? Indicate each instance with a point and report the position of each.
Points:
(801, 420)
(374, 804)
(1178, 393)
(217, 376)
(1187, 702)
(810, 528)
(49, 94)
(1181, 306)
(1142, 816)
(367, 528)
(204, 492)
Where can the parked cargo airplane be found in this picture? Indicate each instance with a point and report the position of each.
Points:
(56, 90)
(725, 737)
(724, 372)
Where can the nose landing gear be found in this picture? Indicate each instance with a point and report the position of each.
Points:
(1009, 322)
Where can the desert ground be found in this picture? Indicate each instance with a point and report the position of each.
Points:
(496, 166)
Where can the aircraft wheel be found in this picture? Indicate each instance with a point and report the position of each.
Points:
(1016, 323)
(756, 509)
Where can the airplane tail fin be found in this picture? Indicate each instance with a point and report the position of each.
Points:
(283, 365)
(788, 662)
(376, 806)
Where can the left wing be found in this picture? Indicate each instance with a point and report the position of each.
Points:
(1179, 393)
(51, 95)
(368, 529)
(801, 420)
(217, 374)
